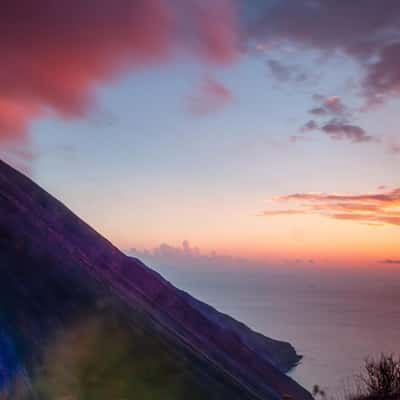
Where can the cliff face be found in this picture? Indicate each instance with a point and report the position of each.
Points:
(63, 286)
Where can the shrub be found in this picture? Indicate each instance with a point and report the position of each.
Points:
(318, 392)
(381, 379)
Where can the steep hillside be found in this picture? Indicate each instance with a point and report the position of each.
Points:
(80, 318)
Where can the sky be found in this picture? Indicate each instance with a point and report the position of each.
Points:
(263, 130)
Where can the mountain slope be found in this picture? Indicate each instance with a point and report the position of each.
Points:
(62, 285)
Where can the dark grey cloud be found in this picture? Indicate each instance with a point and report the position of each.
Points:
(366, 31)
(286, 72)
(340, 130)
(336, 122)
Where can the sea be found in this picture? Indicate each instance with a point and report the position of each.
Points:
(335, 318)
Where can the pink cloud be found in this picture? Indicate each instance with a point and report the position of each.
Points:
(394, 148)
(55, 53)
(332, 106)
(216, 27)
(210, 97)
(281, 212)
(387, 197)
(375, 208)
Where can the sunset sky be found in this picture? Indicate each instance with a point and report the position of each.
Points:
(262, 129)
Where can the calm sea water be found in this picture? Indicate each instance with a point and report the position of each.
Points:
(334, 318)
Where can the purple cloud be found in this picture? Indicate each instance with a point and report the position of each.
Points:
(366, 31)
(309, 126)
(285, 72)
(339, 130)
(338, 126)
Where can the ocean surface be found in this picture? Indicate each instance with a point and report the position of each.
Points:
(335, 319)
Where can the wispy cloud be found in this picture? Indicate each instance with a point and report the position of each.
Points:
(339, 130)
(309, 126)
(282, 212)
(371, 208)
(337, 121)
(286, 72)
(390, 261)
(329, 106)
(394, 148)
(19, 155)
(211, 96)
(297, 138)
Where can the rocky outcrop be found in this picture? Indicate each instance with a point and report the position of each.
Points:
(55, 270)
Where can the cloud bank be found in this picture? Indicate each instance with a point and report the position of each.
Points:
(188, 260)
(187, 256)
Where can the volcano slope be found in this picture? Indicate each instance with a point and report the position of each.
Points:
(81, 320)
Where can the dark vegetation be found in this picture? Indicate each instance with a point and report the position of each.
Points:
(380, 380)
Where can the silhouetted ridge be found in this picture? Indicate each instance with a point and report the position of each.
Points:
(60, 279)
